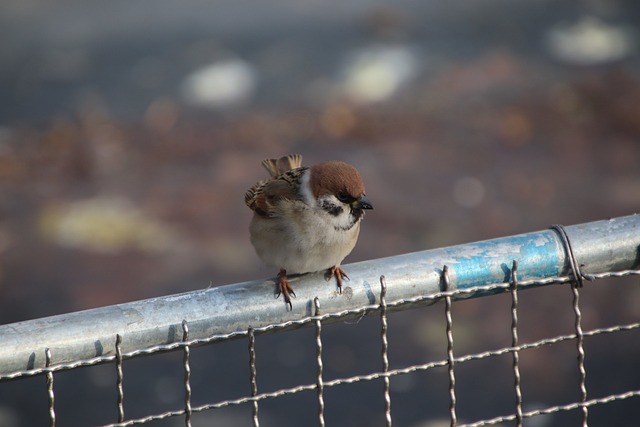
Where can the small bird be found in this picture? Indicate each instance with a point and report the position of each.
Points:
(306, 219)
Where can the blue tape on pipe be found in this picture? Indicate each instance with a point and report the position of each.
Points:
(489, 262)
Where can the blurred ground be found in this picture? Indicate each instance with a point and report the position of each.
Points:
(129, 133)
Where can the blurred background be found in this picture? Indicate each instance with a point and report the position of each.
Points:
(130, 130)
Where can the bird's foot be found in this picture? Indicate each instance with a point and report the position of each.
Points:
(284, 288)
(339, 275)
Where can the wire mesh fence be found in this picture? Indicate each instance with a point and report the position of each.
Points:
(575, 275)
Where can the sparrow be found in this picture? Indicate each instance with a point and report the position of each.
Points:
(306, 219)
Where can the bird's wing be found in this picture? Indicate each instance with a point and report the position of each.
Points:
(264, 195)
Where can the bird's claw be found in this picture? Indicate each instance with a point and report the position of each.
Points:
(339, 275)
(284, 288)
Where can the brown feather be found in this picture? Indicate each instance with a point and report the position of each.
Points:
(334, 177)
(285, 173)
(279, 166)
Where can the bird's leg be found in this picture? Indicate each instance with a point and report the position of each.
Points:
(339, 275)
(284, 288)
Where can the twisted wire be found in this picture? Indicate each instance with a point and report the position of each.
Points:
(187, 375)
(581, 353)
(119, 378)
(253, 376)
(385, 350)
(573, 262)
(450, 358)
(392, 372)
(575, 271)
(319, 364)
(514, 342)
(557, 408)
(50, 395)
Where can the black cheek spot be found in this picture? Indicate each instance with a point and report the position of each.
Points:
(332, 209)
(335, 210)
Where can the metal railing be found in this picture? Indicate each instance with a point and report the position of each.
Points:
(118, 333)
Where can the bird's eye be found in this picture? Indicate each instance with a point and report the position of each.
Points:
(343, 197)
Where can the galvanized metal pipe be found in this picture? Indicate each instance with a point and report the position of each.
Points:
(599, 247)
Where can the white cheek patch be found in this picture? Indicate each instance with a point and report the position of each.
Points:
(337, 214)
(305, 189)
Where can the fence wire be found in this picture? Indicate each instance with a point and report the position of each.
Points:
(320, 386)
(451, 362)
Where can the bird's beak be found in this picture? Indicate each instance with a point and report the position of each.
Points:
(362, 203)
